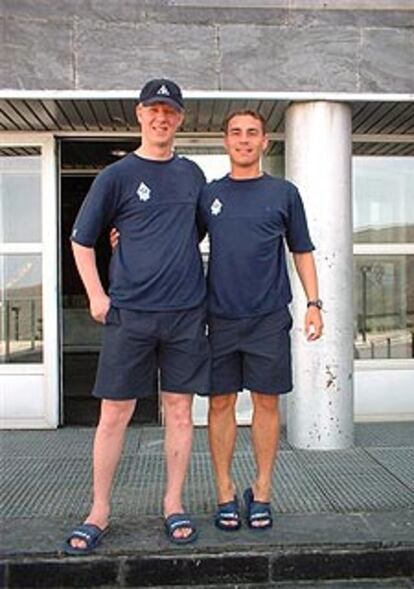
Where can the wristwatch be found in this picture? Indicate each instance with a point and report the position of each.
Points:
(316, 303)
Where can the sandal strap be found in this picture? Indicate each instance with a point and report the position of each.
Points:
(87, 532)
(182, 523)
(261, 515)
(257, 511)
(179, 520)
(228, 514)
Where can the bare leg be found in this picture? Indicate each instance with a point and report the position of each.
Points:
(265, 437)
(178, 442)
(107, 450)
(222, 429)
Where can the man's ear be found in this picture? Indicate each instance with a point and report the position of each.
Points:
(138, 110)
(226, 147)
(181, 119)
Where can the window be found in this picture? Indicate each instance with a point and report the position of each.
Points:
(21, 338)
(21, 329)
(384, 257)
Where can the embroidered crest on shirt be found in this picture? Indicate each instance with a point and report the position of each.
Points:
(143, 192)
(216, 207)
(163, 90)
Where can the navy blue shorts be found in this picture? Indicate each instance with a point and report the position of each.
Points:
(251, 353)
(138, 343)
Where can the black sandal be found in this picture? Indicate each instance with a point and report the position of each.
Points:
(180, 520)
(226, 513)
(92, 536)
(257, 511)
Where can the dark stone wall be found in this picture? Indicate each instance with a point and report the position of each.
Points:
(285, 45)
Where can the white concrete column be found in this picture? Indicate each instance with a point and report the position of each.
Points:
(318, 160)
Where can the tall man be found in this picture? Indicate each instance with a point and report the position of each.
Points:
(154, 313)
(249, 216)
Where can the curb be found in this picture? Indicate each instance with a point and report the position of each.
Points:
(200, 569)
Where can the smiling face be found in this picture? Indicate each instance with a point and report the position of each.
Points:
(159, 123)
(245, 141)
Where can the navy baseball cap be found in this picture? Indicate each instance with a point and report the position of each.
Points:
(162, 90)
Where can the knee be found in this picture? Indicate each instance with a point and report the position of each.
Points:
(177, 410)
(265, 403)
(222, 404)
(115, 415)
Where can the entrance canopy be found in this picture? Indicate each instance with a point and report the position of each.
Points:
(381, 124)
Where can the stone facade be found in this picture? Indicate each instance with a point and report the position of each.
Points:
(274, 45)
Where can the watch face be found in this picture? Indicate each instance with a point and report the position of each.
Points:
(318, 304)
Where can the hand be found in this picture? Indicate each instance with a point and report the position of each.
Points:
(99, 307)
(114, 238)
(313, 323)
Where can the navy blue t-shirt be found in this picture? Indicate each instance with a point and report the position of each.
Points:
(248, 222)
(157, 264)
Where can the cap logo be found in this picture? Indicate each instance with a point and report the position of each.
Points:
(216, 207)
(143, 192)
(163, 90)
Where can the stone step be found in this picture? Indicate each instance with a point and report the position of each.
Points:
(193, 568)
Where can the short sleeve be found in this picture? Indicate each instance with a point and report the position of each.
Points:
(97, 211)
(297, 235)
(200, 176)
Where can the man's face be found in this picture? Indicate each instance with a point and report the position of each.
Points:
(159, 122)
(245, 141)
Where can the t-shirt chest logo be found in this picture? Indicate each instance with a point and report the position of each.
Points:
(143, 192)
(216, 207)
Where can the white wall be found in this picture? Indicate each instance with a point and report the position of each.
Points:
(383, 394)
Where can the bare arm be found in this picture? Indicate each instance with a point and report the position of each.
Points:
(306, 269)
(86, 264)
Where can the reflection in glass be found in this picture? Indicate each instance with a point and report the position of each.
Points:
(384, 306)
(383, 195)
(21, 337)
(20, 198)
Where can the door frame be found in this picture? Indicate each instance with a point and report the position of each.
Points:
(47, 416)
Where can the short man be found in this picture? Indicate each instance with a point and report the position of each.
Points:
(154, 314)
(249, 215)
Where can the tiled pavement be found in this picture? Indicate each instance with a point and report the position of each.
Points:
(339, 514)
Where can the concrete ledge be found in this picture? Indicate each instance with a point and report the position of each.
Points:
(202, 568)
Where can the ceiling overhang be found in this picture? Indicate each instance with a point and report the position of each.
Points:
(381, 124)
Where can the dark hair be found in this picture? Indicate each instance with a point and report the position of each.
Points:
(246, 112)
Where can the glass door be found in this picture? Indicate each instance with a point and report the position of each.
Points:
(80, 162)
(29, 391)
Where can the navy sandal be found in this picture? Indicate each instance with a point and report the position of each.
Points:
(257, 511)
(228, 512)
(92, 536)
(180, 520)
